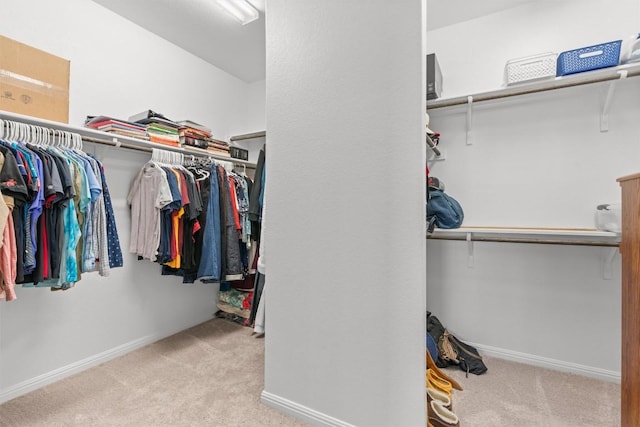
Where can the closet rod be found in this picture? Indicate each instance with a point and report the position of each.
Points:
(580, 79)
(115, 144)
(113, 140)
(168, 148)
(524, 240)
(253, 135)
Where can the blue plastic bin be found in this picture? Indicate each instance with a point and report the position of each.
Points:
(589, 58)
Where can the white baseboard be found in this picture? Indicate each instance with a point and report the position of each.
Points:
(301, 412)
(73, 368)
(66, 371)
(545, 362)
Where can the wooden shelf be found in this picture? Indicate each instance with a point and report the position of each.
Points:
(253, 135)
(99, 137)
(562, 236)
(596, 76)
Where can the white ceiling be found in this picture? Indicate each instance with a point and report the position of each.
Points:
(442, 13)
(204, 29)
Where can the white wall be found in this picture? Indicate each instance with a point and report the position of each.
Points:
(472, 54)
(536, 160)
(257, 106)
(345, 194)
(117, 69)
(120, 69)
(255, 120)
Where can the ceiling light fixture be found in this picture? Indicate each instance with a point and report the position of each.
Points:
(240, 9)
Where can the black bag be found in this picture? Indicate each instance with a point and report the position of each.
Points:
(435, 329)
(455, 352)
(452, 351)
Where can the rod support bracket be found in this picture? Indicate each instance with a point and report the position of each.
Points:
(469, 118)
(607, 268)
(469, 251)
(604, 114)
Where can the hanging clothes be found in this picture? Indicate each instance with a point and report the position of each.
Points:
(8, 256)
(56, 223)
(149, 194)
(113, 250)
(255, 199)
(237, 299)
(192, 220)
(167, 215)
(208, 243)
(232, 267)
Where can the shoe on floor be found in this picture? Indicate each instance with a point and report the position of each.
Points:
(439, 416)
(434, 381)
(442, 397)
(431, 364)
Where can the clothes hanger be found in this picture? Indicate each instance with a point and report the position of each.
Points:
(45, 137)
(155, 157)
(9, 136)
(19, 132)
(228, 166)
(16, 132)
(26, 133)
(244, 170)
(77, 143)
(55, 139)
(33, 135)
(11, 131)
(39, 135)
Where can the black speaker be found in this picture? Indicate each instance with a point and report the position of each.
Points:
(434, 77)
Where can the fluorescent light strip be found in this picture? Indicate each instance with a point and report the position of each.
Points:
(240, 9)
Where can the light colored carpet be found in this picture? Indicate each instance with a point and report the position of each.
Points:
(212, 375)
(511, 394)
(209, 375)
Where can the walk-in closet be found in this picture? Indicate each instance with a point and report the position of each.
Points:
(334, 269)
(528, 278)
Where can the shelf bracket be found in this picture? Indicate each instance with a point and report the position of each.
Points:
(438, 155)
(469, 251)
(469, 118)
(607, 270)
(604, 115)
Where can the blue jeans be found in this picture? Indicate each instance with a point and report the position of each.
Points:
(210, 266)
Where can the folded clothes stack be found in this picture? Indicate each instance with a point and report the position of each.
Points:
(117, 126)
(159, 129)
(193, 134)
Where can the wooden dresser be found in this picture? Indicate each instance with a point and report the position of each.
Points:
(630, 250)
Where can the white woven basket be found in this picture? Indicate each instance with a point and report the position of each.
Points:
(530, 68)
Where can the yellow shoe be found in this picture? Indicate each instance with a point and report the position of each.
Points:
(441, 377)
(432, 365)
(434, 382)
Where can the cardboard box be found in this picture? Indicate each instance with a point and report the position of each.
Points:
(434, 77)
(33, 82)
